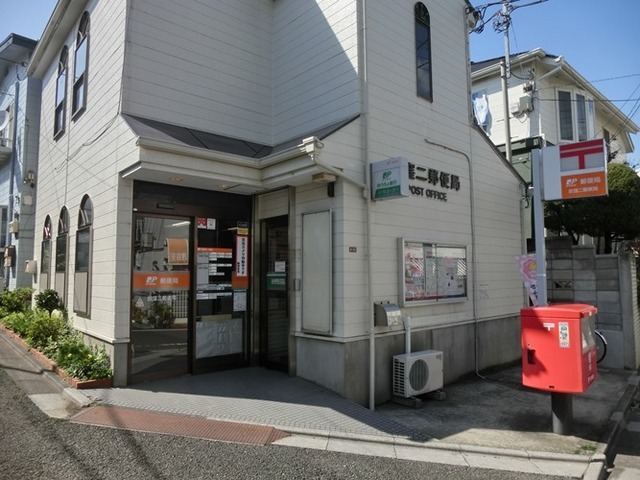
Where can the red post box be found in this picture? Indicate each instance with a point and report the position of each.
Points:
(558, 347)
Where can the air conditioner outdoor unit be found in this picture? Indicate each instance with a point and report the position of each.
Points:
(417, 373)
(14, 226)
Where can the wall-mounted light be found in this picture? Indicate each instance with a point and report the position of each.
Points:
(323, 177)
(30, 178)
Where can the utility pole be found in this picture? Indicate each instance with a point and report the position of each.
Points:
(505, 73)
(502, 24)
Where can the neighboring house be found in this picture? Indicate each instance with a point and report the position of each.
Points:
(19, 124)
(207, 168)
(550, 103)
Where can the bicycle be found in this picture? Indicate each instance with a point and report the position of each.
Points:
(601, 346)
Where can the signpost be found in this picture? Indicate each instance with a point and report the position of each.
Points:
(564, 172)
(577, 170)
(390, 179)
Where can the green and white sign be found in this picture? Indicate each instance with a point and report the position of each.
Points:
(390, 179)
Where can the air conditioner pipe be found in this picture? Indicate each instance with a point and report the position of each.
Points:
(407, 334)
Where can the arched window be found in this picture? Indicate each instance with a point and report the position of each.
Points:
(61, 94)
(62, 253)
(45, 254)
(79, 101)
(82, 278)
(423, 51)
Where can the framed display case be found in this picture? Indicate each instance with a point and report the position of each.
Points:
(430, 272)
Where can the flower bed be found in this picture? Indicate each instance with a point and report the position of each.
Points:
(50, 365)
(46, 333)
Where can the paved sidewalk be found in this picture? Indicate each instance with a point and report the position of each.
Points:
(490, 422)
(484, 422)
(627, 451)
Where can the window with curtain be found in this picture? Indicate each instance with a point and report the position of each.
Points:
(423, 51)
(62, 252)
(61, 95)
(82, 278)
(576, 116)
(79, 101)
(45, 254)
(566, 115)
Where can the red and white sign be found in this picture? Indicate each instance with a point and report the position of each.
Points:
(576, 170)
(161, 280)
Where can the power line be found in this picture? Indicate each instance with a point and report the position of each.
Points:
(594, 100)
(615, 78)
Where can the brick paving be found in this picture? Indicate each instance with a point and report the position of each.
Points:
(181, 425)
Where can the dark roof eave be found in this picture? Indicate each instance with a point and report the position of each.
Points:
(188, 137)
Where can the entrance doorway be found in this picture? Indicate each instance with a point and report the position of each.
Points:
(274, 304)
(191, 273)
(161, 298)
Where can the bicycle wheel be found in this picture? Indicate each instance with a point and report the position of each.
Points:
(601, 346)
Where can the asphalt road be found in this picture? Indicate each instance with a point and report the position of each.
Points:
(35, 446)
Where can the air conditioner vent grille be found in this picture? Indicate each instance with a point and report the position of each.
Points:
(417, 373)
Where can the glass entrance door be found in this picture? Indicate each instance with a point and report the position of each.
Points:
(274, 308)
(161, 280)
(222, 295)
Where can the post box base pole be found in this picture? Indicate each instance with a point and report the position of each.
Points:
(562, 412)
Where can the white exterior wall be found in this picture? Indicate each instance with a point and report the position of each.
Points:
(85, 160)
(523, 126)
(544, 119)
(23, 95)
(314, 65)
(603, 119)
(208, 62)
(398, 124)
(262, 71)
(348, 207)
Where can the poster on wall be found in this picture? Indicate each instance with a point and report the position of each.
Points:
(431, 272)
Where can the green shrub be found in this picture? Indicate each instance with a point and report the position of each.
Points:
(82, 361)
(18, 300)
(18, 321)
(50, 332)
(48, 300)
(44, 329)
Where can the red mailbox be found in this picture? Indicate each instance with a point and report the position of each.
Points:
(558, 347)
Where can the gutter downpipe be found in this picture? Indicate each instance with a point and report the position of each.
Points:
(364, 111)
(14, 159)
(472, 213)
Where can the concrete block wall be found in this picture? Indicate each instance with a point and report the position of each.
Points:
(575, 274)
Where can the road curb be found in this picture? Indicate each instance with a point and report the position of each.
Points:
(603, 459)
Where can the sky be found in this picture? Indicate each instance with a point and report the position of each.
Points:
(598, 38)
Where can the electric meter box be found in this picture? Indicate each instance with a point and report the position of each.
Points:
(387, 314)
(558, 347)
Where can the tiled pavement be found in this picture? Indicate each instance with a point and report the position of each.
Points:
(483, 423)
(257, 396)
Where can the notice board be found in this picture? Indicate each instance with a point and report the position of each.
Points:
(431, 272)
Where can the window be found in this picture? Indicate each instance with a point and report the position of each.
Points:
(576, 114)
(45, 253)
(82, 290)
(79, 101)
(61, 96)
(423, 51)
(62, 251)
